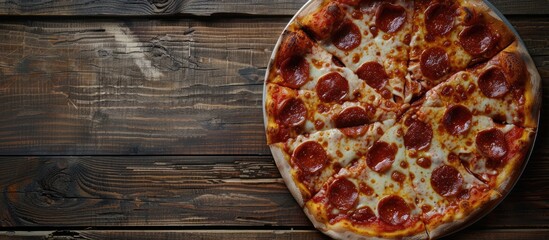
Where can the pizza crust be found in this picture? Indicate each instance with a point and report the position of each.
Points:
(343, 233)
(480, 211)
(286, 171)
(532, 88)
(511, 173)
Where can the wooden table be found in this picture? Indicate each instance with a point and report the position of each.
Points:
(142, 119)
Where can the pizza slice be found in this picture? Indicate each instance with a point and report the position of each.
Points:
(492, 152)
(502, 88)
(372, 198)
(369, 37)
(300, 63)
(307, 162)
(447, 193)
(450, 36)
(291, 112)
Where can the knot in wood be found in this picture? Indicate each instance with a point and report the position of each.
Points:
(53, 188)
(160, 4)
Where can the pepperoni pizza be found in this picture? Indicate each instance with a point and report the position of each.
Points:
(399, 119)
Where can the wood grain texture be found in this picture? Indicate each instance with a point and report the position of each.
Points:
(168, 235)
(501, 234)
(200, 7)
(155, 87)
(136, 87)
(150, 7)
(162, 78)
(193, 191)
(145, 191)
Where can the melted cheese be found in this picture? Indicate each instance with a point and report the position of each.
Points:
(459, 58)
(440, 148)
(390, 50)
(341, 148)
(506, 107)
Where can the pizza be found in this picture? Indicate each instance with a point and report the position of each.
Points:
(399, 119)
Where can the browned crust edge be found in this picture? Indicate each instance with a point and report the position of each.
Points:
(507, 179)
(343, 233)
(448, 228)
(282, 163)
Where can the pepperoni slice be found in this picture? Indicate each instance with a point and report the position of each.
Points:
(493, 84)
(439, 19)
(418, 136)
(446, 181)
(477, 39)
(347, 37)
(381, 156)
(332, 87)
(295, 71)
(352, 117)
(491, 143)
(363, 215)
(354, 132)
(323, 23)
(394, 210)
(513, 66)
(292, 112)
(310, 157)
(457, 119)
(390, 18)
(434, 63)
(343, 194)
(374, 74)
(293, 44)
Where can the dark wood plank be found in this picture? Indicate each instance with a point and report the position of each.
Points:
(500, 234)
(200, 7)
(496, 234)
(147, 8)
(145, 191)
(156, 87)
(522, 7)
(140, 87)
(194, 191)
(168, 235)
(529, 30)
